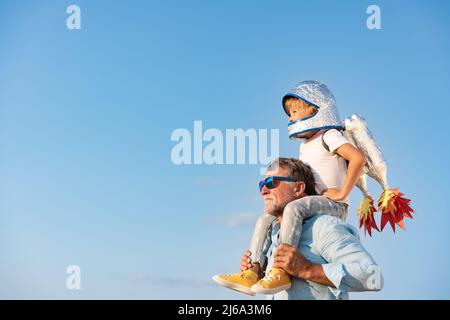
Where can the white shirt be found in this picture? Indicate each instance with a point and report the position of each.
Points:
(329, 168)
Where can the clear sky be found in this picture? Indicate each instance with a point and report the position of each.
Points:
(86, 117)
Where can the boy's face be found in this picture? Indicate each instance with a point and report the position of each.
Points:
(297, 112)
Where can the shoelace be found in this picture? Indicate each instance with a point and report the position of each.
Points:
(270, 277)
(241, 274)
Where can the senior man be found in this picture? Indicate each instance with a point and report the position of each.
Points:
(329, 261)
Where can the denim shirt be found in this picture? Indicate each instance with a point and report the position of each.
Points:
(334, 244)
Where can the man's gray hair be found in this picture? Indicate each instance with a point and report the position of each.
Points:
(298, 171)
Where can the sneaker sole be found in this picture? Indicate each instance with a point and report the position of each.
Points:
(261, 290)
(233, 286)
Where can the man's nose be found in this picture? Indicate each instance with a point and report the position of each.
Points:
(264, 191)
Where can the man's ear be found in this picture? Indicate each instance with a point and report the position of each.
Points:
(300, 188)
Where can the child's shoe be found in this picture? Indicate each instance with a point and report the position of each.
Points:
(276, 280)
(241, 281)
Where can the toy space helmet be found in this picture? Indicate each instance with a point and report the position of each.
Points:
(319, 96)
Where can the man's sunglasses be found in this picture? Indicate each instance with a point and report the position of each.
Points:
(270, 182)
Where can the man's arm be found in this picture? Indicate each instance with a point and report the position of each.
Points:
(289, 259)
(350, 267)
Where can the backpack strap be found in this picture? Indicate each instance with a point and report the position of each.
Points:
(327, 147)
(324, 143)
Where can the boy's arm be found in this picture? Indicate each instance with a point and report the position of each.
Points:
(356, 162)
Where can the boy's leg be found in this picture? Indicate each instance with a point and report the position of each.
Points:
(296, 211)
(261, 239)
(244, 280)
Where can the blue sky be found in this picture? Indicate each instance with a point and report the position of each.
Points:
(86, 118)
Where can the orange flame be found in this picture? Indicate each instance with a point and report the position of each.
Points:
(366, 212)
(394, 208)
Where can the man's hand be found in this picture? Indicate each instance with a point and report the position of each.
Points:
(246, 262)
(334, 194)
(292, 261)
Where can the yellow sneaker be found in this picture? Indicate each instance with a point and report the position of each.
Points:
(276, 280)
(241, 281)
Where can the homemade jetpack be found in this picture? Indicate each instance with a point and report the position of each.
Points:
(392, 205)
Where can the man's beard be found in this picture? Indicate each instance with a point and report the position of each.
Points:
(274, 209)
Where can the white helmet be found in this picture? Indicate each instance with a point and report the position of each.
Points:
(318, 95)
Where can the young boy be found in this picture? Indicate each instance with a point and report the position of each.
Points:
(313, 117)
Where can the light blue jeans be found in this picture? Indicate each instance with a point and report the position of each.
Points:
(291, 224)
